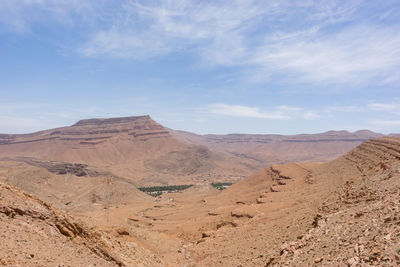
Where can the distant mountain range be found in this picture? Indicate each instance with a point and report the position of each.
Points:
(273, 148)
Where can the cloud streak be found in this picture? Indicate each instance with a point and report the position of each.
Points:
(318, 42)
(276, 113)
(356, 55)
(22, 16)
(292, 41)
(386, 107)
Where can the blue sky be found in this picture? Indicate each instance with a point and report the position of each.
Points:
(204, 66)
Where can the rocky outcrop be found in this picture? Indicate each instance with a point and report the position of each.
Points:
(34, 209)
(358, 224)
(374, 156)
(50, 231)
(361, 228)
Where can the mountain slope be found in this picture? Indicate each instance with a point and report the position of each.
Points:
(278, 215)
(147, 153)
(132, 147)
(35, 234)
(342, 212)
(74, 189)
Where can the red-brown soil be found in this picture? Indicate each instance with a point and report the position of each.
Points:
(35, 234)
(136, 148)
(340, 213)
(147, 153)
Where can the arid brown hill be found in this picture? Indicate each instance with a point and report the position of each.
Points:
(339, 213)
(137, 148)
(35, 234)
(147, 153)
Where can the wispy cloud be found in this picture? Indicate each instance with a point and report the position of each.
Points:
(387, 107)
(293, 41)
(322, 42)
(22, 16)
(151, 29)
(245, 111)
(354, 55)
(276, 113)
(283, 112)
(350, 108)
(390, 123)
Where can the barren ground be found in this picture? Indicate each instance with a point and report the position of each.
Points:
(344, 212)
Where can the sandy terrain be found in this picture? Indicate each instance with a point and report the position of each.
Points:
(343, 212)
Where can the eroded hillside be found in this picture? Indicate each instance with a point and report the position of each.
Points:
(133, 147)
(35, 234)
(343, 212)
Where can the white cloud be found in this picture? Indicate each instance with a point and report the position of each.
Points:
(244, 111)
(150, 29)
(385, 122)
(385, 106)
(393, 108)
(276, 113)
(355, 55)
(350, 108)
(310, 115)
(223, 33)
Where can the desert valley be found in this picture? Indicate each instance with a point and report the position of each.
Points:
(131, 192)
(199, 133)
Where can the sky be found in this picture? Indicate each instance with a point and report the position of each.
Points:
(283, 67)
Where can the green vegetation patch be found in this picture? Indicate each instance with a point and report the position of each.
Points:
(159, 190)
(221, 186)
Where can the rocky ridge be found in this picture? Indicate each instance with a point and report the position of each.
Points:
(53, 237)
(358, 225)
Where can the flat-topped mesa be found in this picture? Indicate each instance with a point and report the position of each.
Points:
(116, 143)
(137, 126)
(94, 131)
(113, 120)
